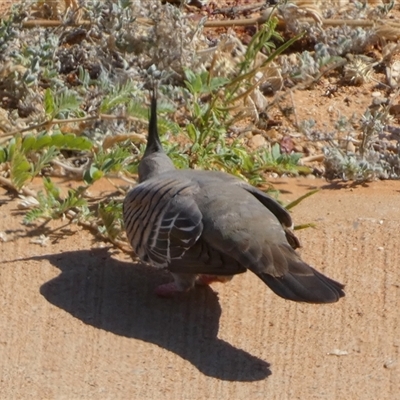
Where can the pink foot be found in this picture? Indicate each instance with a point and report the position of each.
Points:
(167, 290)
(204, 280)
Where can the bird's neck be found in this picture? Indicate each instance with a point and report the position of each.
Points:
(154, 164)
(154, 161)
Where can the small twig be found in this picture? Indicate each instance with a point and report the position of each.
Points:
(25, 191)
(74, 170)
(49, 123)
(282, 23)
(240, 9)
(55, 23)
(296, 118)
(118, 188)
(264, 16)
(317, 157)
(104, 117)
(7, 183)
(240, 132)
(38, 126)
(125, 179)
(92, 226)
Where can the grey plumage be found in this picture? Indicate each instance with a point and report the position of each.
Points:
(203, 223)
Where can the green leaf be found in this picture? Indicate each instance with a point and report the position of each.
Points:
(62, 105)
(190, 76)
(111, 216)
(198, 112)
(3, 155)
(84, 76)
(51, 188)
(44, 159)
(108, 164)
(28, 143)
(217, 83)
(49, 104)
(276, 151)
(194, 82)
(58, 140)
(32, 215)
(11, 149)
(301, 198)
(74, 142)
(192, 132)
(73, 200)
(43, 140)
(20, 170)
(92, 174)
(197, 84)
(119, 95)
(195, 148)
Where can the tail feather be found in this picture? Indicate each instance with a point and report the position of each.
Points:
(313, 287)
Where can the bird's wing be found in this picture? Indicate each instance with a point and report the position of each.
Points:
(267, 201)
(162, 219)
(280, 212)
(252, 235)
(203, 258)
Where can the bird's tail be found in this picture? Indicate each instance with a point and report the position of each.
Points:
(304, 284)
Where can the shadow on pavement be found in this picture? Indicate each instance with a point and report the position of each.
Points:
(118, 297)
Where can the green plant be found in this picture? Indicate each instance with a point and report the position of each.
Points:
(63, 105)
(210, 106)
(52, 206)
(110, 215)
(115, 159)
(117, 96)
(28, 156)
(367, 164)
(278, 162)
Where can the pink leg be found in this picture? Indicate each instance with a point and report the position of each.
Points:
(167, 290)
(182, 284)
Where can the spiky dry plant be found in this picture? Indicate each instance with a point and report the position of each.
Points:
(358, 70)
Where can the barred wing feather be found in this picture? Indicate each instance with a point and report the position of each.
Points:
(162, 219)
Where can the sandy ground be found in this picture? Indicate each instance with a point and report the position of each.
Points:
(79, 321)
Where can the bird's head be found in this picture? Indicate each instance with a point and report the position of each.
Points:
(154, 161)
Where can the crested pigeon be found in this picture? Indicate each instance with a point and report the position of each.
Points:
(206, 226)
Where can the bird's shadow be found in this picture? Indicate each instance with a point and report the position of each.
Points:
(118, 297)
